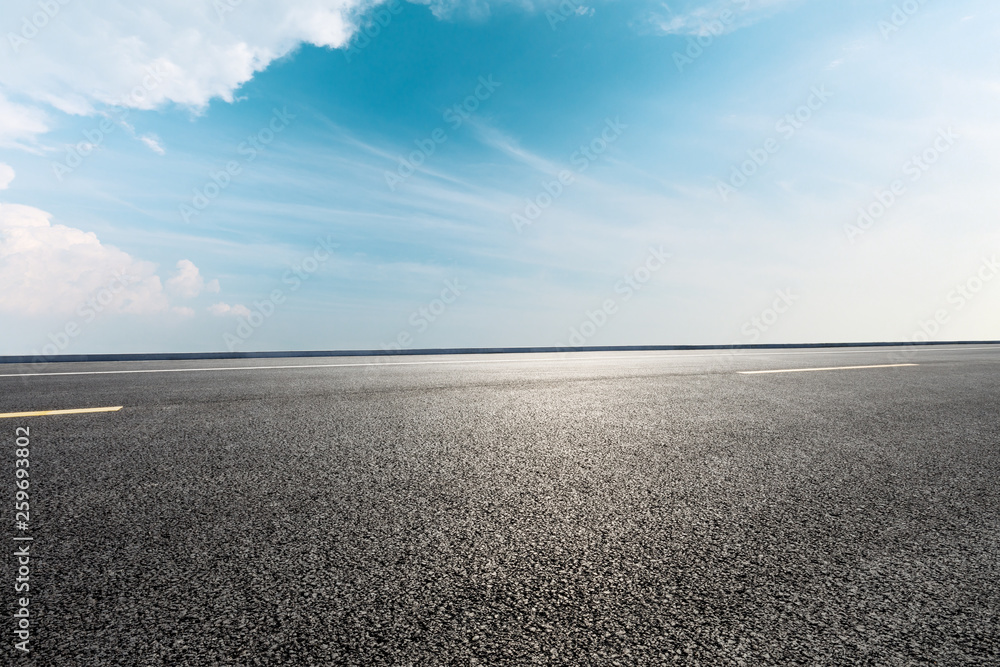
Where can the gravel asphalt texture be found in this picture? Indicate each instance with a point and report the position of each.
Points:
(574, 509)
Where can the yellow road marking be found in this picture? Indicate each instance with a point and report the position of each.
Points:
(43, 413)
(831, 368)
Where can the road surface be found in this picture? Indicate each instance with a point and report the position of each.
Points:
(580, 509)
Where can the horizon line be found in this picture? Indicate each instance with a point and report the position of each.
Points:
(278, 354)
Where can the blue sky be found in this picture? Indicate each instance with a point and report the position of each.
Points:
(331, 175)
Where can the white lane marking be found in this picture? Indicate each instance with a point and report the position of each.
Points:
(831, 368)
(368, 365)
(45, 413)
(719, 353)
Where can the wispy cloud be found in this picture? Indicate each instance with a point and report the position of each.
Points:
(507, 145)
(153, 142)
(21, 125)
(716, 18)
(6, 175)
(223, 309)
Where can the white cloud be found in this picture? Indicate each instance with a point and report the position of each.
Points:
(224, 309)
(478, 10)
(19, 125)
(168, 51)
(53, 269)
(188, 282)
(716, 18)
(153, 142)
(88, 56)
(6, 175)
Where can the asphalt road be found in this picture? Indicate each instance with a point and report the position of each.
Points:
(589, 509)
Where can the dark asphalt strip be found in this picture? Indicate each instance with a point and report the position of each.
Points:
(581, 514)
